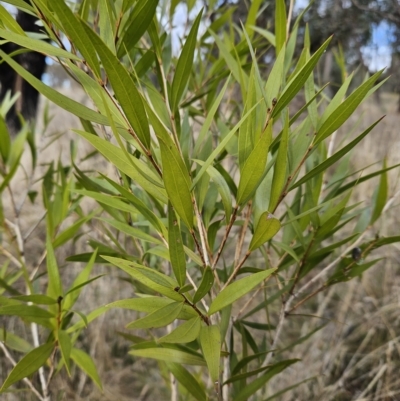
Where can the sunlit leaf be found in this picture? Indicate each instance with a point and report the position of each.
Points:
(237, 290)
(210, 340)
(29, 364)
(268, 225)
(185, 333)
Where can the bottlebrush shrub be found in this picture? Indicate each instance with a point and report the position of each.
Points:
(227, 204)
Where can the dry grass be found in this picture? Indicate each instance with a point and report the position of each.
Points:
(356, 356)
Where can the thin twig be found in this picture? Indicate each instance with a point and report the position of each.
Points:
(224, 239)
(242, 235)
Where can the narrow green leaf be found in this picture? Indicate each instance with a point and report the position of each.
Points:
(124, 88)
(177, 182)
(280, 167)
(358, 181)
(156, 281)
(28, 311)
(138, 23)
(280, 25)
(188, 381)
(252, 387)
(107, 23)
(65, 345)
(246, 360)
(8, 21)
(267, 227)
(86, 364)
(222, 186)
(71, 231)
(132, 231)
(336, 100)
(294, 86)
(230, 61)
(159, 318)
(29, 364)
(54, 287)
(12, 341)
(77, 35)
(346, 109)
(210, 340)
(176, 251)
(381, 196)
(169, 355)
(221, 147)
(37, 45)
(237, 290)
(254, 167)
(334, 158)
(36, 299)
(133, 168)
(185, 333)
(65, 102)
(274, 80)
(209, 119)
(150, 304)
(206, 284)
(147, 213)
(267, 34)
(184, 65)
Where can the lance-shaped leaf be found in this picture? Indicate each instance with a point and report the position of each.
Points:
(169, 355)
(156, 281)
(138, 23)
(36, 299)
(65, 102)
(176, 251)
(28, 311)
(177, 181)
(210, 340)
(280, 166)
(29, 364)
(274, 81)
(37, 45)
(209, 119)
(184, 66)
(222, 186)
(132, 231)
(124, 88)
(133, 168)
(188, 381)
(65, 345)
(206, 283)
(54, 287)
(14, 342)
(296, 83)
(185, 333)
(77, 34)
(280, 25)
(86, 364)
(237, 290)
(255, 385)
(254, 167)
(150, 304)
(159, 318)
(221, 146)
(346, 109)
(267, 227)
(380, 196)
(334, 158)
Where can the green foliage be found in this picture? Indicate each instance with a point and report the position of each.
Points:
(199, 221)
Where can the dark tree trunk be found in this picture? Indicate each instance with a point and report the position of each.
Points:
(35, 63)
